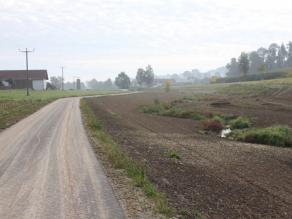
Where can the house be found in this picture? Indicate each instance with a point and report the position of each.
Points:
(17, 79)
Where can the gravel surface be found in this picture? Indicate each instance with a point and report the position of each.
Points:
(48, 169)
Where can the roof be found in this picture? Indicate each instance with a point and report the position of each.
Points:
(21, 74)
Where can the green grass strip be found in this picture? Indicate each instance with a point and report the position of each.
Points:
(120, 160)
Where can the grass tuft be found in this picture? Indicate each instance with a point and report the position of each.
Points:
(174, 155)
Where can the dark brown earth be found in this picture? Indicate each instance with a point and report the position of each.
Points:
(216, 178)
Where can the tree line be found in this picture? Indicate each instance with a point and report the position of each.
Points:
(262, 60)
(144, 78)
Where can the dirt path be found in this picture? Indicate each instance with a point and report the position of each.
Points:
(219, 178)
(48, 169)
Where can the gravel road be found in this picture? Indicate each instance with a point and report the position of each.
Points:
(48, 169)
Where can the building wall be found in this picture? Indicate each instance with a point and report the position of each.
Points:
(38, 85)
(20, 84)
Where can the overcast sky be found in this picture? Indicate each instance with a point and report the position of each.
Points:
(100, 38)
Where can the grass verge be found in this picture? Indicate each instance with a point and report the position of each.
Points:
(120, 160)
(15, 105)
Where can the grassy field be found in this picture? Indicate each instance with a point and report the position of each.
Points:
(15, 105)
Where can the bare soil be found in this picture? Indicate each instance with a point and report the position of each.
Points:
(214, 178)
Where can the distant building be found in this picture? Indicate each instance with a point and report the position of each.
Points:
(16, 79)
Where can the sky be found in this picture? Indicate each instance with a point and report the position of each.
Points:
(100, 38)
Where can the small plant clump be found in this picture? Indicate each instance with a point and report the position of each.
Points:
(174, 155)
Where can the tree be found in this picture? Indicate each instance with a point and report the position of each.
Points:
(282, 56)
(243, 63)
(108, 83)
(272, 56)
(255, 62)
(123, 81)
(233, 68)
(56, 82)
(145, 77)
(140, 76)
(289, 55)
(93, 84)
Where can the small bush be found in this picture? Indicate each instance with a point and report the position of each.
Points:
(212, 125)
(276, 135)
(199, 116)
(153, 109)
(240, 123)
(219, 119)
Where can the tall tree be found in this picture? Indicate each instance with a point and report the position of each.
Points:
(56, 82)
(282, 56)
(289, 55)
(123, 81)
(140, 76)
(145, 77)
(255, 62)
(233, 68)
(272, 56)
(243, 63)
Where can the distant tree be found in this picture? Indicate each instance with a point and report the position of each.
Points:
(108, 83)
(49, 86)
(289, 55)
(140, 76)
(262, 68)
(145, 77)
(255, 62)
(56, 82)
(93, 84)
(272, 56)
(243, 63)
(282, 56)
(262, 52)
(233, 68)
(123, 81)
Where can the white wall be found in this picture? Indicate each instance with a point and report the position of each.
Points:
(38, 84)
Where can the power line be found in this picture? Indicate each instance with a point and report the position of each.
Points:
(26, 51)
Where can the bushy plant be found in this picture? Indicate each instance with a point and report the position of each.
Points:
(212, 125)
(276, 135)
(240, 123)
(219, 118)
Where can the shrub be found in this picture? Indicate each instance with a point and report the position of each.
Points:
(198, 116)
(212, 125)
(240, 123)
(276, 135)
(219, 119)
(153, 109)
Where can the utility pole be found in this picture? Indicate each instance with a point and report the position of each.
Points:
(62, 77)
(26, 51)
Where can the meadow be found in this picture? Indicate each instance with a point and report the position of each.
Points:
(15, 105)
